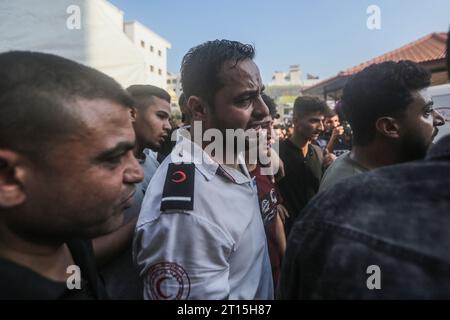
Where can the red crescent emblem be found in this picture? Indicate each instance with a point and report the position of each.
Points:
(174, 276)
(181, 176)
(158, 287)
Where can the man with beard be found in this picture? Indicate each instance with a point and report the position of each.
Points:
(200, 234)
(391, 116)
(150, 114)
(384, 234)
(303, 161)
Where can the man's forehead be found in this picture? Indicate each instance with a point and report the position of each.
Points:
(315, 116)
(104, 118)
(157, 101)
(244, 73)
(92, 109)
(424, 94)
(158, 104)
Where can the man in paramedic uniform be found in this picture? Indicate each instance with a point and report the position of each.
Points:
(200, 234)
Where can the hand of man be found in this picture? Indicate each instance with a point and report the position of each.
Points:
(338, 131)
(328, 158)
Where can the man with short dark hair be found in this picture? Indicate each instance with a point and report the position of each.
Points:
(67, 172)
(391, 116)
(303, 161)
(334, 138)
(384, 234)
(150, 114)
(200, 234)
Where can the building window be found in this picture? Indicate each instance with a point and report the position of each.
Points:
(142, 44)
(168, 81)
(152, 69)
(160, 72)
(151, 48)
(159, 53)
(174, 81)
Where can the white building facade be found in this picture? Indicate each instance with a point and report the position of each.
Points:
(91, 32)
(154, 49)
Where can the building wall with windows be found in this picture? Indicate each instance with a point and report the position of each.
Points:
(98, 39)
(154, 49)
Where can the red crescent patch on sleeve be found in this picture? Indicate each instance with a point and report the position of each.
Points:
(165, 276)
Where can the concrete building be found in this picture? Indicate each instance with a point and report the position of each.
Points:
(174, 84)
(174, 88)
(154, 49)
(285, 87)
(292, 77)
(91, 32)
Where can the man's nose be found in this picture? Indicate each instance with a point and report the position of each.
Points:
(260, 110)
(134, 172)
(167, 126)
(438, 119)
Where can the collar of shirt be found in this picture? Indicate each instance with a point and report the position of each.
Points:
(188, 151)
(298, 151)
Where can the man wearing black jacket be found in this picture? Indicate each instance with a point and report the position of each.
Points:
(384, 234)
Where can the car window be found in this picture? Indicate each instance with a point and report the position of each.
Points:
(442, 105)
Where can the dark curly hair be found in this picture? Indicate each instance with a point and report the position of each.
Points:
(380, 90)
(202, 65)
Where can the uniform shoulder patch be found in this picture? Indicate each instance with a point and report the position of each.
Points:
(178, 191)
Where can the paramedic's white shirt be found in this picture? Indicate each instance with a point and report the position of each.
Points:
(216, 251)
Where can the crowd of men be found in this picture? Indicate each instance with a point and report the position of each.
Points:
(102, 197)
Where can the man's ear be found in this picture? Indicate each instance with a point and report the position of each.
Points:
(295, 121)
(388, 127)
(198, 108)
(11, 180)
(133, 114)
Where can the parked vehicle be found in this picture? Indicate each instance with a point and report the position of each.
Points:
(441, 98)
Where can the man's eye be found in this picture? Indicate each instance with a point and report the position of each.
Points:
(114, 160)
(428, 112)
(244, 102)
